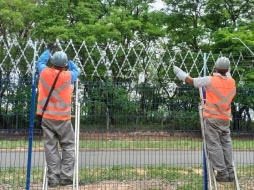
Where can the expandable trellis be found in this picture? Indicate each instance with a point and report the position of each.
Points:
(118, 61)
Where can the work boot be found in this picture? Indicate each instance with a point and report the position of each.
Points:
(222, 177)
(52, 183)
(65, 182)
(231, 177)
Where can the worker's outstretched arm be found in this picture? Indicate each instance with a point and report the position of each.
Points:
(182, 75)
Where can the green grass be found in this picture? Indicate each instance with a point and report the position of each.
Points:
(19, 144)
(128, 173)
(183, 178)
(116, 144)
(247, 171)
(189, 144)
(167, 175)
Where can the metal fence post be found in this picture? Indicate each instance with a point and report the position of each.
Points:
(204, 155)
(31, 126)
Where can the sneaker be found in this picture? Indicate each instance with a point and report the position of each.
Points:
(52, 183)
(65, 182)
(222, 178)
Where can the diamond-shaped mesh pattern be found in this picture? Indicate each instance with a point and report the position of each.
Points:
(118, 61)
(16, 56)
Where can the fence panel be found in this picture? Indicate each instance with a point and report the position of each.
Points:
(139, 125)
(140, 150)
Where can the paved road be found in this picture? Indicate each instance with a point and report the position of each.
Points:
(137, 158)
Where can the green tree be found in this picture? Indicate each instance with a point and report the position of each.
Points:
(15, 18)
(226, 20)
(16, 54)
(184, 25)
(223, 13)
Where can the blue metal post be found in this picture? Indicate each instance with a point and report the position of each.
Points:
(204, 156)
(31, 124)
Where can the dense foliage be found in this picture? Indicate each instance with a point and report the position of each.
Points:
(131, 27)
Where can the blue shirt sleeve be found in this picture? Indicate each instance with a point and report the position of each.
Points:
(44, 58)
(42, 61)
(74, 71)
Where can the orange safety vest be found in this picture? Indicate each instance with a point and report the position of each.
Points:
(59, 105)
(219, 97)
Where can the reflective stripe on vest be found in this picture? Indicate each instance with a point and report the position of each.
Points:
(59, 105)
(54, 112)
(219, 97)
(54, 94)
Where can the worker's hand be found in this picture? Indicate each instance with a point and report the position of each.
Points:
(176, 70)
(51, 46)
(179, 73)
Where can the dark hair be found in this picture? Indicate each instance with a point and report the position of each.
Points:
(221, 71)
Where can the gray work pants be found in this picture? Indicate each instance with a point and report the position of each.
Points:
(55, 131)
(219, 145)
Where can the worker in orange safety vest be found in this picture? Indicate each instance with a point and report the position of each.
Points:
(56, 120)
(220, 90)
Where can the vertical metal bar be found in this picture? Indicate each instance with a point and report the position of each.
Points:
(77, 141)
(45, 179)
(31, 125)
(204, 149)
(205, 169)
(75, 184)
(204, 64)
